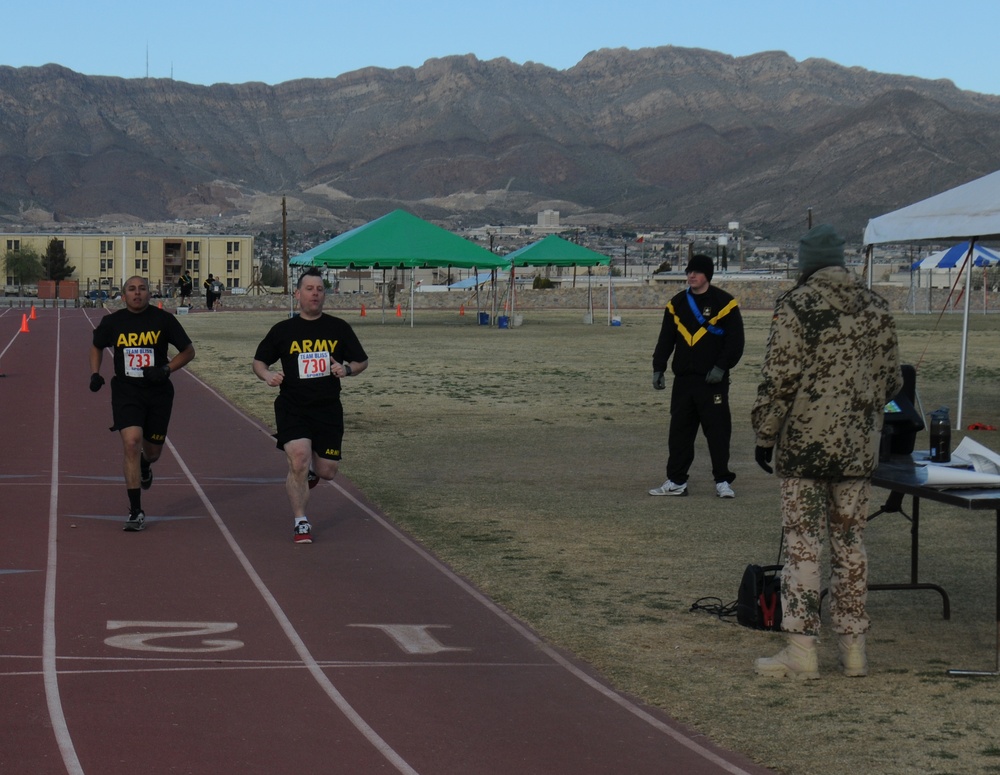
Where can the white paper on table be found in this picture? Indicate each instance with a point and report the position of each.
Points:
(949, 476)
(981, 458)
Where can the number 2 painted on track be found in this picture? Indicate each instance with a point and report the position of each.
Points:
(140, 641)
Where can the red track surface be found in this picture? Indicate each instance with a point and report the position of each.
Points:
(210, 643)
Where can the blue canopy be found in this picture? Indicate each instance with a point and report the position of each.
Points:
(953, 256)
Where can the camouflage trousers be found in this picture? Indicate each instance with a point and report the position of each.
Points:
(811, 510)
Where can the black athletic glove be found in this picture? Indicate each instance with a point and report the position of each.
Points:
(157, 374)
(96, 382)
(763, 457)
(714, 377)
(659, 383)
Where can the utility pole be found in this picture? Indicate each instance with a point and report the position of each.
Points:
(284, 244)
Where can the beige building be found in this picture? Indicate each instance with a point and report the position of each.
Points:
(102, 261)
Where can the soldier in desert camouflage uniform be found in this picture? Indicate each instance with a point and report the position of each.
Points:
(831, 365)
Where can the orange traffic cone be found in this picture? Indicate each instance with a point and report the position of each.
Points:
(461, 310)
(24, 324)
(399, 310)
(160, 305)
(363, 313)
(33, 316)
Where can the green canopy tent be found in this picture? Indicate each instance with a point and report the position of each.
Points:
(556, 251)
(399, 240)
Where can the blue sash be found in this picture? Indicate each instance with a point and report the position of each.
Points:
(701, 318)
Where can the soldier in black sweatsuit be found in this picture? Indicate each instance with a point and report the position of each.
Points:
(703, 330)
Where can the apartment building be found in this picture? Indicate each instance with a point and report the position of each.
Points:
(103, 261)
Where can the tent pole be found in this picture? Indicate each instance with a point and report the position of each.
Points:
(513, 297)
(965, 331)
(610, 280)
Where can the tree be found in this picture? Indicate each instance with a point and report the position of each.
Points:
(55, 261)
(23, 266)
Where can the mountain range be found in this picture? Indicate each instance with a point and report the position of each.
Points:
(648, 137)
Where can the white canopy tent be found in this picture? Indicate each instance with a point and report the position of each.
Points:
(970, 211)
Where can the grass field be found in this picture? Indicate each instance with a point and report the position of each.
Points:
(522, 458)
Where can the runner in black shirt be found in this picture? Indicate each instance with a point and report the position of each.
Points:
(316, 352)
(141, 394)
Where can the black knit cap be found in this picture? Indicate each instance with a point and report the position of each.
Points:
(701, 263)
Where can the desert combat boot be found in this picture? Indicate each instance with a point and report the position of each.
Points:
(853, 660)
(798, 660)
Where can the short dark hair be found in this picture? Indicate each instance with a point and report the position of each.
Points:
(310, 272)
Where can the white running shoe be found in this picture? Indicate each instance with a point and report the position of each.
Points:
(302, 533)
(723, 490)
(135, 522)
(669, 488)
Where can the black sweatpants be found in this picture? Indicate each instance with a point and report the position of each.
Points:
(696, 404)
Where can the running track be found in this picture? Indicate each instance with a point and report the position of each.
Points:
(210, 643)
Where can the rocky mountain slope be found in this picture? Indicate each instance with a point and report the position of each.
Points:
(654, 136)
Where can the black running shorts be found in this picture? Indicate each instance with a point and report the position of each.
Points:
(322, 425)
(147, 407)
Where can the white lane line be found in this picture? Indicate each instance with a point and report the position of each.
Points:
(297, 643)
(49, 670)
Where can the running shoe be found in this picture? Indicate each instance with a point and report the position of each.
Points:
(303, 533)
(313, 479)
(723, 490)
(669, 488)
(146, 477)
(135, 522)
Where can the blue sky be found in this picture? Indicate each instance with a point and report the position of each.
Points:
(282, 40)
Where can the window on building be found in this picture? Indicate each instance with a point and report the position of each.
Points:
(233, 265)
(142, 265)
(232, 247)
(142, 247)
(14, 245)
(107, 247)
(194, 246)
(107, 266)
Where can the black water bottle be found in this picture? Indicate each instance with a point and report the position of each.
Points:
(940, 436)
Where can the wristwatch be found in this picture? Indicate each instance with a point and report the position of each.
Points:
(347, 369)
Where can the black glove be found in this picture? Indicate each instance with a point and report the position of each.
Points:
(157, 374)
(659, 383)
(763, 457)
(714, 377)
(96, 382)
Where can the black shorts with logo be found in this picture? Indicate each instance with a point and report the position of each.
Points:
(322, 424)
(146, 406)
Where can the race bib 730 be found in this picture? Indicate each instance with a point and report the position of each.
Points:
(312, 365)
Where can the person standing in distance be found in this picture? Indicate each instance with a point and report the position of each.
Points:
(831, 365)
(185, 285)
(210, 295)
(703, 330)
(317, 351)
(142, 396)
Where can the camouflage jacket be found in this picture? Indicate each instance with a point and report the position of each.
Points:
(832, 363)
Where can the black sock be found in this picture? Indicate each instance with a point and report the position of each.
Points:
(134, 500)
